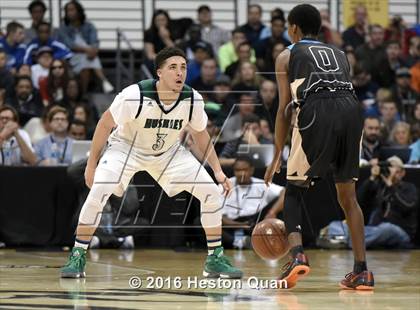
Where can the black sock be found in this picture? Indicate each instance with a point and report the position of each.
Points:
(359, 267)
(296, 250)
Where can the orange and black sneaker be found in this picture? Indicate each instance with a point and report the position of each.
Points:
(358, 281)
(296, 268)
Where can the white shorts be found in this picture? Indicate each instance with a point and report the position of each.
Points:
(175, 170)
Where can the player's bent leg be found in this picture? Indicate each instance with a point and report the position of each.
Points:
(217, 264)
(360, 278)
(89, 219)
(298, 266)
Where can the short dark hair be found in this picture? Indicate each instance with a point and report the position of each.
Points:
(80, 12)
(255, 6)
(36, 3)
(78, 122)
(202, 8)
(245, 43)
(13, 26)
(250, 118)
(238, 30)
(393, 42)
(275, 18)
(166, 53)
(22, 78)
(307, 18)
(244, 158)
(11, 109)
(43, 23)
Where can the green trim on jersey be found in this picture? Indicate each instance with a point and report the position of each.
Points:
(148, 90)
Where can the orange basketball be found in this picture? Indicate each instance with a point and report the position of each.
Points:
(269, 239)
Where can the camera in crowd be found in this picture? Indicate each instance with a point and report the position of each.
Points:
(384, 167)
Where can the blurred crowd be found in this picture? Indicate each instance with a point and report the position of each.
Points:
(47, 74)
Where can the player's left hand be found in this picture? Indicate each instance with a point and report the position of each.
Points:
(226, 183)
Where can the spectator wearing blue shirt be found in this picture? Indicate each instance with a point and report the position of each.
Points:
(59, 50)
(415, 153)
(13, 46)
(56, 148)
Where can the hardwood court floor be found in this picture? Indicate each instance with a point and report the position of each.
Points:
(29, 280)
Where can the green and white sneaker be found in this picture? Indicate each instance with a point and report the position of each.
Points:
(219, 266)
(75, 267)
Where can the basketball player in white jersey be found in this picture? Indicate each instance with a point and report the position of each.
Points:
(148, 118)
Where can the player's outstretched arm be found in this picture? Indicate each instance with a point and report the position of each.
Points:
(102, 132)
(283, 116)
(204, 146)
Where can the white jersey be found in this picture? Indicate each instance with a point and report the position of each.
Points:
(151, 126)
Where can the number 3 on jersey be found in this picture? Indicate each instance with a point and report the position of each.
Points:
(160, 141)
(324, 58)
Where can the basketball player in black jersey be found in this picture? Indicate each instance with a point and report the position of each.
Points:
(314, 79)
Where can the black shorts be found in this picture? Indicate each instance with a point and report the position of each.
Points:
(327, 134)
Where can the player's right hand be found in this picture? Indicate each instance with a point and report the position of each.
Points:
(274, 167)
(89, 175)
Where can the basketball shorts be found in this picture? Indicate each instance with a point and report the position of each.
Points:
(175, 170)
(326, 135)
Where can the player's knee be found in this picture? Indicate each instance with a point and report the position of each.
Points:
(211, 214)
(347, 199)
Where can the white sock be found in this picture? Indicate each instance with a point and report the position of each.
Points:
(81, 244)
(213, 244)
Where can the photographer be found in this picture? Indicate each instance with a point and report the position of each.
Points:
(393, 203)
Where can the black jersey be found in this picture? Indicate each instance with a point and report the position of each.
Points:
(314, 66)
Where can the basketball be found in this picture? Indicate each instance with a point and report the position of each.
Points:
(269, 239)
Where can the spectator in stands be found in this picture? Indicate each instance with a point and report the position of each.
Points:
(355, 34)
(247, 79)
(26, 100)
(44, 39)
(416, 117)
(78, 130)
(351, 57)
(400, 135)
(250, 134)
(82, 38)
(37, 11)
(72, 94)
(193, 38)
(269, 100)
(87, 114)
(264, 47)
(398, 31)
(13, 46)
(404, 95)
(232, 126)
(371, 143)
(254, 25)
(53, 87)
(372, 53)
(393, 221)
(266, 131)
(249, 202)
(364, 87)
(15, 144)
(389, 116)
(382, 95)
(24, 70)
(223, 96)
(56, 148)
(415, 77)
(41, 69)
(6, 78)
(201, 52)
(270, 60)
(385, 73)
(211, 33)
(228, 51)
(327, 34)
(205, 82)
(158, 36)
(244, 55)
(413, 56)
